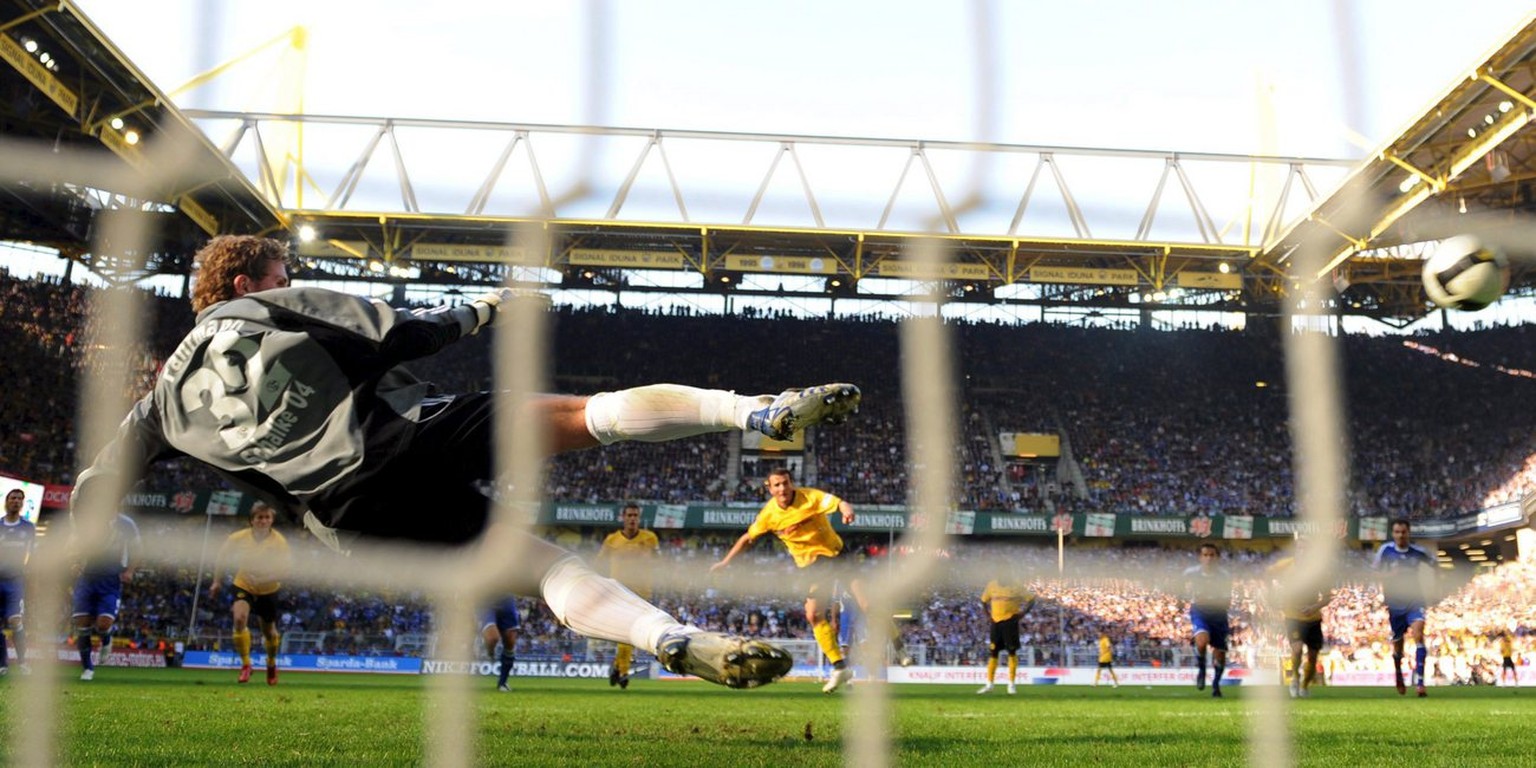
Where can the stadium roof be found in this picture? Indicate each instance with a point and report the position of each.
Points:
(109, 134)
(1470, 150)
(1466, 163)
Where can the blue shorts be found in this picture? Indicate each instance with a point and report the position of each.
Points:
(98, 595)
(10, 598)
(1213, 624)
(503, 616)
(1401, 617)
(851, 629)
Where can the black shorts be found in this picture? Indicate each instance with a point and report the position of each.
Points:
(1005, 635)
(820, 580)
(1308, 632)
(1509, 663)
(1106, 665)
(263, 607)
(430, 490)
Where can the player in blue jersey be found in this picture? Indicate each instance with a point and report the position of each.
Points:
(849, 618)
(498, 626)
(1407, 571)
(99, 590)
(17, 537)
(851, 615)
(1209, 589)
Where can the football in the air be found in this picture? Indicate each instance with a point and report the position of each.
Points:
(1465, 274)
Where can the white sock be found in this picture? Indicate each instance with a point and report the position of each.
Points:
(661, 412)
(600, 607)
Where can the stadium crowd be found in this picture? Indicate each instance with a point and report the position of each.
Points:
(1130, 594)
(1153, 422)
(1158, 423)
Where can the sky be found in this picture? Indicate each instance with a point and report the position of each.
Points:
(1185, 74)
(1313, 78)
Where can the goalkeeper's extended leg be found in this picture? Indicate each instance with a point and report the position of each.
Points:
(600, 607)
(661, 412)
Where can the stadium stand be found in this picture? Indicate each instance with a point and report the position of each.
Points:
(1158, 423)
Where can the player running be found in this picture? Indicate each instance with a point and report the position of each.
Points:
(1507, 670)
(1106, 661)
(260, 559)
(1407, 569)
(1303, 628)
(99, 591)
(799, 518)
(498, 627)
(17, 538)
(1209, 588)
(630, 553)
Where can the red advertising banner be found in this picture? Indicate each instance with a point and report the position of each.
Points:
(57, 496)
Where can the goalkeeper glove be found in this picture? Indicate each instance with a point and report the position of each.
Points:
(488, 306)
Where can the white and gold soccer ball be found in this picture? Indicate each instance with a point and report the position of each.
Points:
(1465, 274)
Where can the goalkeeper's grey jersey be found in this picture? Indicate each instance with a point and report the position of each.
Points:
(294, 393)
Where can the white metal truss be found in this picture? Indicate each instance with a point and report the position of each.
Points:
(483, 195)
(1067, 213)
(786, 148)
(634, 173)
(1048, 160)
(1203, 221)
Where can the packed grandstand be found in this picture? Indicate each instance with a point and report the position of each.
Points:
(1175, 423)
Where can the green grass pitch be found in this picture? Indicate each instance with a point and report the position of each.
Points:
(187, 717)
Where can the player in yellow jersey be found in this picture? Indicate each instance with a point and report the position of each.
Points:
(1106, 660)
(799, 518)
(1303, 628)
(630, 553)
(260, 559)
(1006, 605)
(1507, 650)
